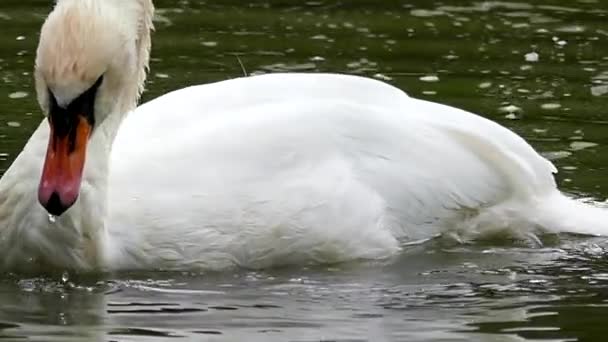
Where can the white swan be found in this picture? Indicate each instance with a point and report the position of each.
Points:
(255, 172)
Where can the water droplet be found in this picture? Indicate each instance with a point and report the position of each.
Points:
(52, 218)
(13, 124)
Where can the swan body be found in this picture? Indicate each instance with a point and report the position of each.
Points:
(271, 170)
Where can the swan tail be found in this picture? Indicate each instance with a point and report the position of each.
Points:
(558, 213)
(552, 213)
(533, 204)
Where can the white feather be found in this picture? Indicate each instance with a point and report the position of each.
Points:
(288, 168)
(261, 171)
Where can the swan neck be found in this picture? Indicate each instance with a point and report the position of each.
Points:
(29, 241)
(106, 132)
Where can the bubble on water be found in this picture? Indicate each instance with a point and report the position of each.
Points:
(426, 13)
(555, 155)
(429, 78)
(603, 76)
(382, 77)
(18, 95)
(550, 106)
(531, 57)
(520, 25)
(580, 145)
(319, 37)
(281, 67)
(485, 85)
(599, 90)
(52, 218)
(510, 109)
(571, 29)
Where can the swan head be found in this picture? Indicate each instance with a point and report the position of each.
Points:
(90, 68)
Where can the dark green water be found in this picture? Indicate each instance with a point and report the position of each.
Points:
(464, 53)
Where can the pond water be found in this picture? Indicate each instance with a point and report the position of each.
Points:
(540, 68)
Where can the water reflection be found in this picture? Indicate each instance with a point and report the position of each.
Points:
(428, 294)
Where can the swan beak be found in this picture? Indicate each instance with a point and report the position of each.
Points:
(63, 166)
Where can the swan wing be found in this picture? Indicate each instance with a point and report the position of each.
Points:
(309, 152)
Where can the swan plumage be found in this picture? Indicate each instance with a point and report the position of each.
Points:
(270, 170)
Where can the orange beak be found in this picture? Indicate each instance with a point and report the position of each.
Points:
(63, 166)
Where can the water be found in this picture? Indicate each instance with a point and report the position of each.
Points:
(540, 68)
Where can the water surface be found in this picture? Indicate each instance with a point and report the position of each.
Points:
(540, 68)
